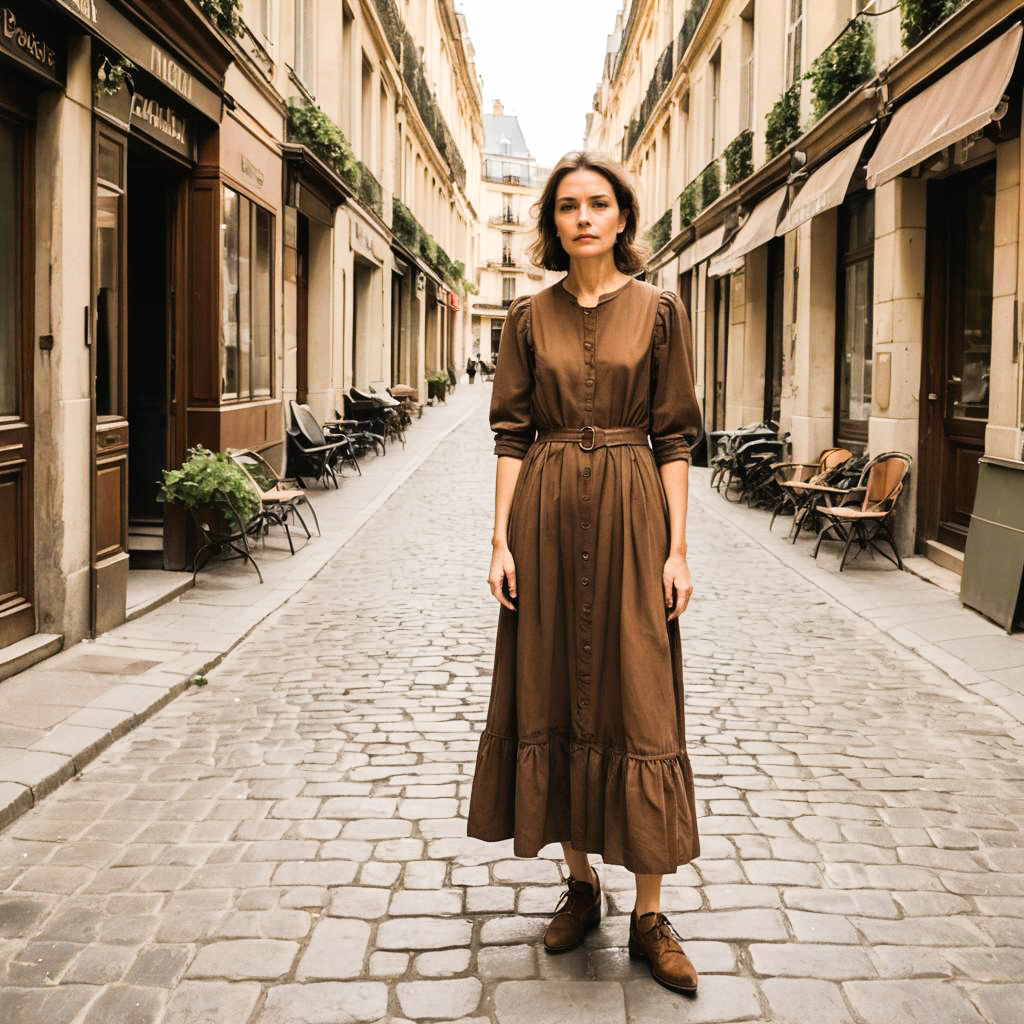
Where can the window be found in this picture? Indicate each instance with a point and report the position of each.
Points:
(854, 358)
(366, 106)
(508, 289)
(264, 17)
(747, 69)
(506, 249)
(109, 241)
(10, 247)
(382, 134)
(247, 287)
(345, 76)
(714, 96)
(305, 41)
(794, 42)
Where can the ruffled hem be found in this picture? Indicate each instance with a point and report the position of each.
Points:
(633, 810)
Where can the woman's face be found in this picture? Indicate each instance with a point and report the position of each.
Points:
(587, 216)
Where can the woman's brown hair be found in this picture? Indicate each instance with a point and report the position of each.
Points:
(547, 251)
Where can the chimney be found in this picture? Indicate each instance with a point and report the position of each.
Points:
(499, 110)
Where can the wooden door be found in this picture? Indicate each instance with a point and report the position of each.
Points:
(17, 611)
(957, 351)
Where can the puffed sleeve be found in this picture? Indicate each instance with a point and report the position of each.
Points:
(512, 397)
(675, 414)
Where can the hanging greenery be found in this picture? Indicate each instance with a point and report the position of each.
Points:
(919, 17)
(710, 184)
(705, 188)
(369, 191)
(411, 233)
(848, 63)
(739, 158)
(688, 204)
(111, 76)
(225, 14)
(660, 231)
(782, 125)
(315, 130)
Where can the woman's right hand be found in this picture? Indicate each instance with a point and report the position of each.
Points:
(503, 567)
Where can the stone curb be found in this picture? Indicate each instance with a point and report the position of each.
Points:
(17, 797)
(958, 671)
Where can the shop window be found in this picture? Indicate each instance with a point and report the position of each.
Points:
(247, 285)
(109, 264)
(853, 351)
(10, 246)
(305, 41)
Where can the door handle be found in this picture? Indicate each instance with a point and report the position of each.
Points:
(932, 397)
(955, 380)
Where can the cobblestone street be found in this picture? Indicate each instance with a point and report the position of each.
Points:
(287, 845)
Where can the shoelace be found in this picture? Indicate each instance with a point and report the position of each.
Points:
(567, 903)
(665, 932)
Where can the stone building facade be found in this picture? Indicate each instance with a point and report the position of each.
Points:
(180, 256)
(512, 184)
(835, 193)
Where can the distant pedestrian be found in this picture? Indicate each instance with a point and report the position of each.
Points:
(584, 743)
(471, 369)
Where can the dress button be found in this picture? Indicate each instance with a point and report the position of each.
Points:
(586, 648)
(586, 471)
(585, 524)
(584, 703)
(586, 556)
(590, 382)
(585, 581)
(584, 497)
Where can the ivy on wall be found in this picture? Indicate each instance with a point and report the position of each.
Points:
(412, 234)
(225, 14)
(782, 124)
(660, 231)
(739, 158)
(315, 130)
(848, 63)
(705, 188)
(919, 17)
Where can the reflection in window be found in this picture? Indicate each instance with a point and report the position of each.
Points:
(247, 284)
(108, 301)
(971, 355)
(856, 261)
(10, 198)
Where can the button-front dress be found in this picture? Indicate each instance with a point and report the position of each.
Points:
(585, 733)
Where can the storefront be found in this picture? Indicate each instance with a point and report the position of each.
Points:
(33, 61)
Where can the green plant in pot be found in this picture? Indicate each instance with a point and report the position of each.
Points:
(437, 385)
(214, 489)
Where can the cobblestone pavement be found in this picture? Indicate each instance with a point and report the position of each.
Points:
(286, 845)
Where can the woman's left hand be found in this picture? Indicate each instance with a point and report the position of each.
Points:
(678, 585)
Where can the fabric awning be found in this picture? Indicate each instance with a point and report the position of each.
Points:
(757, 229)
(686, 258)
(826, 187)
(952, 108)
(707, 244)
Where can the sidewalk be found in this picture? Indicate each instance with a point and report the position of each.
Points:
(58, 715)
(925, 617)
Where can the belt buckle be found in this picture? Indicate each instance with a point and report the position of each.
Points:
(593, 439)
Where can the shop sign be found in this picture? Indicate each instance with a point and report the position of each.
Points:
(363, 241)
(114, 28)
(22, 38)
(162, 122)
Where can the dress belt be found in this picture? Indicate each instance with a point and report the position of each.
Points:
(589, 438)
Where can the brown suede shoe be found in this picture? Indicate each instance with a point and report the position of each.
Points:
(577, 912)
(652, 938)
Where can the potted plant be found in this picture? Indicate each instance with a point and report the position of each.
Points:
(214, 489)
(437, 385)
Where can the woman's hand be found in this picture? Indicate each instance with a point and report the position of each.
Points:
(676, 577)
(503, 567)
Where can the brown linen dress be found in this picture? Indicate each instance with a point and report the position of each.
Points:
(585, 735)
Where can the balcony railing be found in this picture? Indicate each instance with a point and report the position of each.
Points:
(504, 218)
(689, 28)
(700, 193)
(656, 87)
(369, 191)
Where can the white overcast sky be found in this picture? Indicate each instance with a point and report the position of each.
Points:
(543, 60)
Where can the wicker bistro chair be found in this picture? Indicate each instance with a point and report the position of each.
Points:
(388, 419)
(279, 502)
(221, 533)
(310, 452)
(840, 485)
(792, 478)
(867, 524)
(724, 444)
(409, 397)
(367, 412)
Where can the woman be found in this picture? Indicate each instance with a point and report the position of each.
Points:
(471, 369)
(585, 742)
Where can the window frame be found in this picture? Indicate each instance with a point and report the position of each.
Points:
(306, 74)
(252, 393)
(795, 30)
(850, 432)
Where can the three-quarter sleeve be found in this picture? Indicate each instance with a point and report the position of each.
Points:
(512, 397)
(675, 414)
